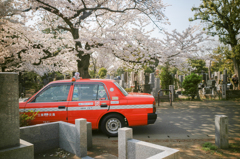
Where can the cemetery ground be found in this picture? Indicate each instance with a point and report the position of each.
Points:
(185, 126)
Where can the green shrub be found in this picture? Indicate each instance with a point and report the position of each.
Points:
(165, 78)
(128, 89)
(102, 72)
(190, 84)
(27, 117)
(148, 70)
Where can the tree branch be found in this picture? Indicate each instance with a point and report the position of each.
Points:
(64, 28)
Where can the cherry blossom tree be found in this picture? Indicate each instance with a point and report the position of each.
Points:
(96, 24)
(9, 8)
(176, 47)
(23, 49)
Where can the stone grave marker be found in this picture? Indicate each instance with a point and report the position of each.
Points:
(151, 80)
(221, 131)
(225, 76)
(10, 144)
(171, 88)
(156, 87)
(125, 77)
(132, 79)
(141, 82)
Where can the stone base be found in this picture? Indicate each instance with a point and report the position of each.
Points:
(25, 150)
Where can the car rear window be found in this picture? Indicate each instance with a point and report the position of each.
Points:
(121, 89)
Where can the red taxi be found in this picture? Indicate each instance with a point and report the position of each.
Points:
(102, 102)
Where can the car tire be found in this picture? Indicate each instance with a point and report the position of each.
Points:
(111, 123)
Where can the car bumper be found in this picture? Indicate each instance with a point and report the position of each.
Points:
(152, 117)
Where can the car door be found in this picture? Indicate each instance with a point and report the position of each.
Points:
(89, 101)
(51, 103)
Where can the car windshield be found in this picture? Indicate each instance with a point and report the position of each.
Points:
(121, 89)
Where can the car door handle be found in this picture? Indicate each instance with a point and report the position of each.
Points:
(103, 105)
(61, 107)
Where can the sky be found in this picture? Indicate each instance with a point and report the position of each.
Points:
(178, 14)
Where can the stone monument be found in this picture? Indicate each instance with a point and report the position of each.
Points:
(221, 131)
(132, 79)
(151, 80)
(10, 144)
(126, 77)
(156, 87)
(171, 88)
(146, 86)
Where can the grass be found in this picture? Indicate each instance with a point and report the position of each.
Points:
(209, 147)
(234, 148)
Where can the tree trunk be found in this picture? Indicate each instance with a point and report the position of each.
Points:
(84, 62)
(3, 69)
(83, 66)
(236, 66)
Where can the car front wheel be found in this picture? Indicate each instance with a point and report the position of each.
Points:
(111, 123)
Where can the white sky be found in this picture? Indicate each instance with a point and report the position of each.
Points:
(178, 14)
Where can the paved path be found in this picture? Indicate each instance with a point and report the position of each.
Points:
(188, 120)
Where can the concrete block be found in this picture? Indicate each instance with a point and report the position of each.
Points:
(124, 134)
(43, 136)
(89, 135)
(9, 110)
(67, 137)
(221, 131)
(24, 150)
(141, 150)
(81, 137)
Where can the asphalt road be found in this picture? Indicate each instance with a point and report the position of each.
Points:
(188, 120)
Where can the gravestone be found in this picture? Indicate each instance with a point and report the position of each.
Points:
(132, 79)
(111, 77)
(122, 77)
(224, 91)
(156, 87)
(9, 118)
(10, 144)
(171, 88)
(122, 82)
(108, 77)
(151, 80)
(141, 82)
(221, 77)
(135, 87)
(221, 131)
(125, 77)
(224, 76)
(146, 86)
(181, 80)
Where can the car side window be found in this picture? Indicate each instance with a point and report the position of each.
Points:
(89, 92)
(55, 93)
